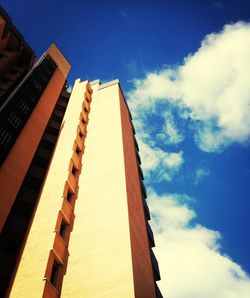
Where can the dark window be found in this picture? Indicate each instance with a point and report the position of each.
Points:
(51, 130)
(69, 196)
(78, 151)
(22, 102)
(56, 118)
(54, 273)
(80, 134)
(63, 229)
(85, 109)
(74, 171)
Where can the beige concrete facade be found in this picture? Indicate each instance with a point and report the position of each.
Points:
(100, 263)
(30, 277)
(106, 251)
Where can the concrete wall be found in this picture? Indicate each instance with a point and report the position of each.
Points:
(100, 263)
(33, 274)
(142, 268)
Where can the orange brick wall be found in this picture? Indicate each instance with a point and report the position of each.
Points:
(142, 269)
(18, 160)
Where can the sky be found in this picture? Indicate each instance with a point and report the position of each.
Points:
(184, 67)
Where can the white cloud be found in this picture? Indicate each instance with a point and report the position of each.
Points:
(200, 174)
(170, 133)
(212, 87)
(189, 256)
(174, 160)
(159, 165)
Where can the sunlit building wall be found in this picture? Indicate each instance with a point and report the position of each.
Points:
(90, 236)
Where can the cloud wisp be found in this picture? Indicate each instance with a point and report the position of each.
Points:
(191, 263)
(200, 174)
(159, 165)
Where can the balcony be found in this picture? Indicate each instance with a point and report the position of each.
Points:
(73, 182)
(77, 160)
(60, 247)
(138, 157)
(84, 117)
(136, 144)
(155, 266)
(158, 292)
(150, 235)
(83, 128)
(140, 172)
(143, 190)
(147, 213)
(80, 142)
(88, 96)
(49, 290)
(86, 104)
(67, 210)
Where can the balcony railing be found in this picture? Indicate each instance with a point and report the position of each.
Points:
(60, 247)
(67, 210)
(76, 160)
(72, 180)
(145, 205)
(150, 235)
(86, 104)
(155, 266)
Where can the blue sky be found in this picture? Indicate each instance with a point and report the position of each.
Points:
(184, 67)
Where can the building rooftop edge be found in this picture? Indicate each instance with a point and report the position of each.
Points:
(13, 27)
(104, 85)
(108, 84)
(98, 81)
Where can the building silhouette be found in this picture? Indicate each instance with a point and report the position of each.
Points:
(73, 211)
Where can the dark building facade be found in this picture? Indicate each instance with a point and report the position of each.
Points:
(33, 99)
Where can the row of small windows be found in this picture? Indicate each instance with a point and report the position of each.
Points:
(56, 273)
(20, 105)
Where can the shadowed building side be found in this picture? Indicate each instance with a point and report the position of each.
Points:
(16, 57)
(29, 124)
(141, 236)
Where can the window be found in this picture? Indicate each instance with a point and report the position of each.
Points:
(54, 273)
(85, 110)
(63, 229)
(83, 121)
(78, 151)
(29, 92)
(80, 134)
(74, 170)
(69, 196)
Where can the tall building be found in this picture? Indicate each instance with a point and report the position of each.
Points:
(74, 217)
(32, 104)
